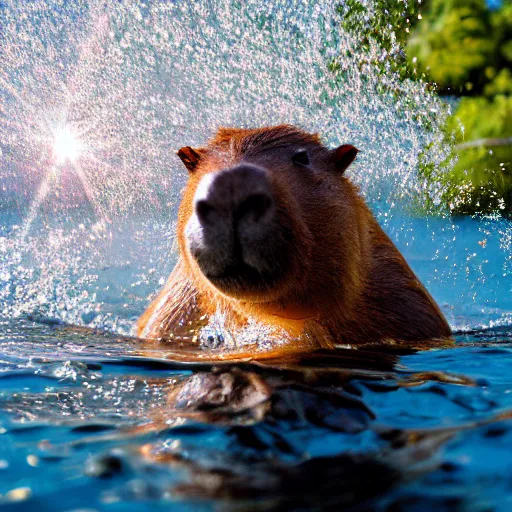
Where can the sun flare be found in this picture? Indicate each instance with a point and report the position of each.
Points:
(66, 146)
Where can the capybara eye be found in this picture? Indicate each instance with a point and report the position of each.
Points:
(301, 157)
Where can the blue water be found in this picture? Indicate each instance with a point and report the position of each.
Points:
(86, 422)
(91, 419)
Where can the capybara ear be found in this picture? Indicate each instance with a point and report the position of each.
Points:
(190, 157)
(344, 156)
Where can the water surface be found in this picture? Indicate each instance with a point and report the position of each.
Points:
(89, 420)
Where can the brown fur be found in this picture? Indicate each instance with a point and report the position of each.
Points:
(343, 280)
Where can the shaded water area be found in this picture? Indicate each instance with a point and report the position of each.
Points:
(94, 101)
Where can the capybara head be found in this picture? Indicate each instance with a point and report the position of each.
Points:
(267, 215)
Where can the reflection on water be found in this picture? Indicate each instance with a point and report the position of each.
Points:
(377, 428)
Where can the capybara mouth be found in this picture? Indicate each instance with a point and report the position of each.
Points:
(242, 278)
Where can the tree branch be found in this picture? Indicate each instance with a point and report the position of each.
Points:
(489, 142)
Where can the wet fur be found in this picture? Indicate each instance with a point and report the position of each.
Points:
(343, 281)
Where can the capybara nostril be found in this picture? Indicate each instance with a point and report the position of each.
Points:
(255, 206)
(204, 211)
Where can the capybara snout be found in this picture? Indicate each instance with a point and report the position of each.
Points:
(240, 194)
(234, 231)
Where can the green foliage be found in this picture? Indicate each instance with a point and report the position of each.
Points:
(372, 21)
(481, 179)
(466, 50)
(501, 83)
(398, 14)
(502, 28)
(453, 44)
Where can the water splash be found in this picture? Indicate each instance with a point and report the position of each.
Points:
(96, 97)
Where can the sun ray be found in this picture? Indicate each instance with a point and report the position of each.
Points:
(42, 192)
(10, 88)
(89, 193)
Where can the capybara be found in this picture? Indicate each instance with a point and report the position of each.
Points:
(270, 230)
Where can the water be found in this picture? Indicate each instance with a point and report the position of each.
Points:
(93, 420)
(95, 98)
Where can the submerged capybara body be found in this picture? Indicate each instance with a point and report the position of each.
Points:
(269, 229)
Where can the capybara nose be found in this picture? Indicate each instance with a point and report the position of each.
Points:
(254, 206)
(239, 195)
(234, 217)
